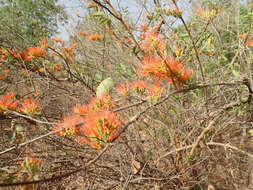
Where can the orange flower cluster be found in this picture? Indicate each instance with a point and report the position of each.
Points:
(70, 125)
(29, 54)
(123, 89)
(44, 43)
(96, 105)
(28, 106)
(157, 64)
(34, 52)
(6, 53)
(154, 92)
(245, 38)
(5, 74)
(139, 86)
(100, 128)
(57, 40)
(208, 13)
(169, 69)
(31, 166)
(82, 33)
(153, 42)
(143, 28)
(70, 48)
(95, 37)
(91, 123)
(57, 67)
(69, 53)
(8, 102)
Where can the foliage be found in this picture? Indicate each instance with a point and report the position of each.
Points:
(28, 21)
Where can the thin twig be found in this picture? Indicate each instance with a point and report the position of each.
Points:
(208, 144)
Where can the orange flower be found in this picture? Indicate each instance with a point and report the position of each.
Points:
(70, 125)
(31, 166)
(30, 107)
(41, 69)
(249, 43)
(24, 72)
(44, 43)
(17, 56)
(71, 47)
(24, 56)
(100, 128)
(101, 104)
(2, 77)
(244, 36)
(143, 28)
(208, 13)
(7, 102)
(123, 89)
(36, 93)
(95, 37)
(153, 42)
(6, 71)
(139, 86)
(109, 66)
(154, 91)
(58, 40)
(82, 33)
(36, 52)
(170, 69)
(82, 110)
(57, 67)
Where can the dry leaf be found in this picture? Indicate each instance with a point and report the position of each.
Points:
(136, 166)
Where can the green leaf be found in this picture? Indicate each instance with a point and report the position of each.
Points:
(251, 132)
(236, 73)
(98, 14)
(104, 87)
